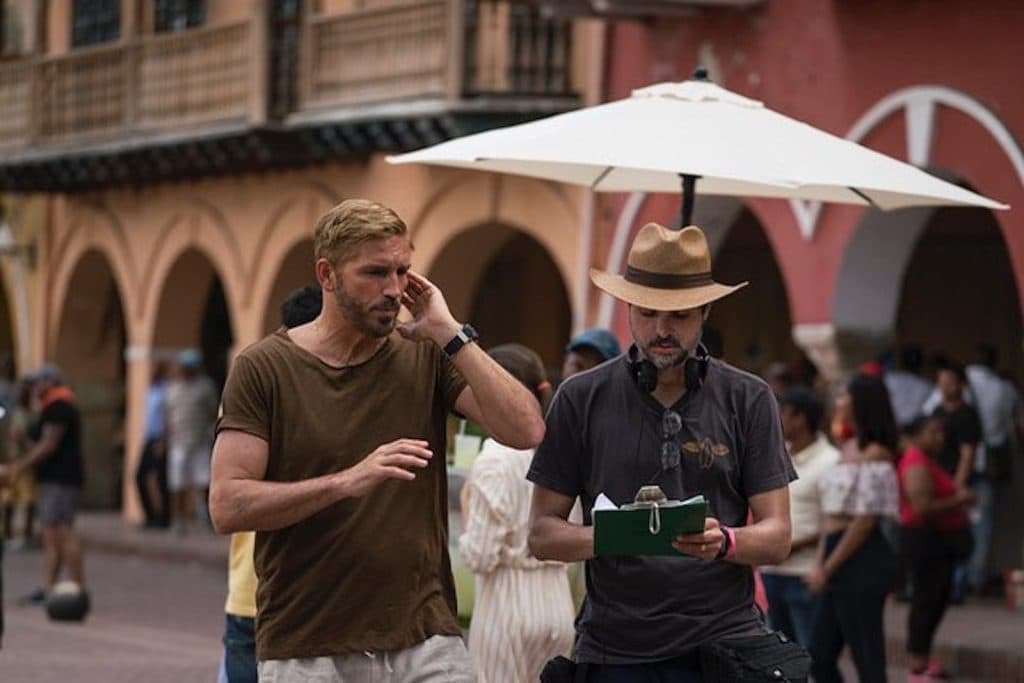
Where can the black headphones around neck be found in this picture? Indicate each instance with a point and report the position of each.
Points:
(645, 373)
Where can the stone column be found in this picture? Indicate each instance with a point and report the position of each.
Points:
(138, 370)
(818, 341)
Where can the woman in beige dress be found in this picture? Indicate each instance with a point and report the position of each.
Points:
(523, 614)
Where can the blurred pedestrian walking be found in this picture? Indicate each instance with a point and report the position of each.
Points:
(998, 406)
(191, 405)
(56, 455)
(151, 474)
(19, 497)
(935, 535)
(908, 389)
(792, 608)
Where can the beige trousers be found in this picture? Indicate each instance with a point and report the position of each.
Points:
(439, 659)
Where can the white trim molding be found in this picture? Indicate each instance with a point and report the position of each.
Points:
(919, 103)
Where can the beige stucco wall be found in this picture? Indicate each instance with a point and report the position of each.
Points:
(163, 242)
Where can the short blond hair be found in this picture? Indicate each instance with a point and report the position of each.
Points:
(341, 231)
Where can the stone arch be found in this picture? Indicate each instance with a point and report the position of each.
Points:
(960, 266)
(295, 270)
(89, 344)
(201, 232)
(275, 270)
(755, 323)
(920, 103)
(505, 281)
(91, 227)
(882, 266)
(539, 209)
(194, 311)
(312, 199)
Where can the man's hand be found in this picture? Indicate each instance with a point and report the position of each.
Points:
(966, 497)
(816, 580)
(431, 318)
(395, 460)
(705, 545)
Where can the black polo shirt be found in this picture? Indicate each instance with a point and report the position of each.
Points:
(64, 465)
(604, 436)
(960, 426)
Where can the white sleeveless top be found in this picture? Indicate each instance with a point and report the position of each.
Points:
(860, 488)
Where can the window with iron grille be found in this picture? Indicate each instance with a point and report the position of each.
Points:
(178, 15)
(285, 28)
(95, 21)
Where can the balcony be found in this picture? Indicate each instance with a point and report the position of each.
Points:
(435, 49)
(634, 8)
(394, 75)
(156, 85)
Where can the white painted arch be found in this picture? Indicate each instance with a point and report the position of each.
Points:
(867, 292)
(919, 104)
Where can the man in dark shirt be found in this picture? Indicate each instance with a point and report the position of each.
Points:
(961, 425)
(666, 413)
(962, 431)
(56, 455)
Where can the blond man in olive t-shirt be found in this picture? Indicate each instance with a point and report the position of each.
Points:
(331, 447)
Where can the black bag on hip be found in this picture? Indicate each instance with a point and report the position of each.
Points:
(563, 670)
(754, 659)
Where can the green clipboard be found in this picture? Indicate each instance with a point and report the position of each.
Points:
(619, 531)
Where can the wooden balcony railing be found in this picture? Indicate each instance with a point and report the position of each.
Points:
(232, 77)
(377, 54)
(434, 48)
(81, 95)
(156, 83)
(15, 102)
(198, 75)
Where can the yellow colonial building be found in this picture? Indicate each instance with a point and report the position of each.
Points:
(165, 161)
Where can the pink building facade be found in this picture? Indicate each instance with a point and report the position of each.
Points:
(933, 83)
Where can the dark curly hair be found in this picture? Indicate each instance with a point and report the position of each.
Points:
(872, 413)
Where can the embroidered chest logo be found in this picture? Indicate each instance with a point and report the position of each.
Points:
(705, 451)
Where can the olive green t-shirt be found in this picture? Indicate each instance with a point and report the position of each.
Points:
(369, 573)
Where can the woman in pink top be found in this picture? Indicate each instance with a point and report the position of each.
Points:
(935, 534)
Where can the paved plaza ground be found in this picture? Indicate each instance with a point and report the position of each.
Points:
(158, 602)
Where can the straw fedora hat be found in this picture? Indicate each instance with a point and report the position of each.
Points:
(667, 270)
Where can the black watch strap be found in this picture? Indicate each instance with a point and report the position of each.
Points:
(726, 544)
(466, 335)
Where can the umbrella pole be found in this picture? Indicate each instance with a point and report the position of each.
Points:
(689, 191)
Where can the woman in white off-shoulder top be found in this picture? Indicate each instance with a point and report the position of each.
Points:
(856, 566)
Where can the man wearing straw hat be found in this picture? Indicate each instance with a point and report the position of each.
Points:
(666, 414)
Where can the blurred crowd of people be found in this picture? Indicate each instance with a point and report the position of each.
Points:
(891, 480)
(916, 460)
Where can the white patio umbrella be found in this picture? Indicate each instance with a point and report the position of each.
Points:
(696, 130)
